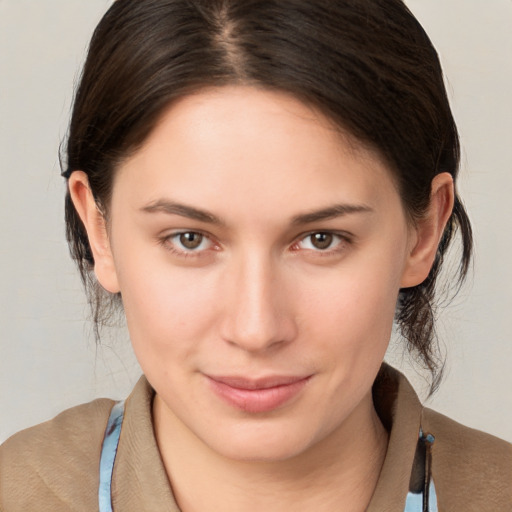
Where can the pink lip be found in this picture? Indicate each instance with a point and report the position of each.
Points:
(260, 395)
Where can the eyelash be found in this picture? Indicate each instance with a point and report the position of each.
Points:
(342, 238)
(340, 241)
(167, 243)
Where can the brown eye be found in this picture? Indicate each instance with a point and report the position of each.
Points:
(321, 240)
(191, 240)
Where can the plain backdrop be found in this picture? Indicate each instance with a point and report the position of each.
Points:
(48, 358)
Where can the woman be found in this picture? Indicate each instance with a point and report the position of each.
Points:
(264, 187)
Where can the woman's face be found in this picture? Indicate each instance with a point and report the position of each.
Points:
(259, 255)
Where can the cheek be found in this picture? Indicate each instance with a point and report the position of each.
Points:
(352, 321)
(168, 309)
(351, 310)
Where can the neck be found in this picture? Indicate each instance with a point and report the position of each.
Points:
(340, 472)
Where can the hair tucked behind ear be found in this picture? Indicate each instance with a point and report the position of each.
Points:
(415, 315)
(366, 64)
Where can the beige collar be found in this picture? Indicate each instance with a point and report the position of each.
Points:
(140, 482)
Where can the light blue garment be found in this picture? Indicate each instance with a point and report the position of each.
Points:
(108, 456)
(414, 501)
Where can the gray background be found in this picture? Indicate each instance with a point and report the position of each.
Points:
(48, 359)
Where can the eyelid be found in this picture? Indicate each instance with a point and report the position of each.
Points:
(344, 236)
(165, 241)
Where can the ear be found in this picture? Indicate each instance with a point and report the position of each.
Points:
(427, 233)
(96, 228)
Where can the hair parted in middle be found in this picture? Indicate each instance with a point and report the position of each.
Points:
(367, 65)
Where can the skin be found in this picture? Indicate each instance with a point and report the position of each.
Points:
(259, 296)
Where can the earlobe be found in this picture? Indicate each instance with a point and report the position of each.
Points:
(429, 230)
(95, 225)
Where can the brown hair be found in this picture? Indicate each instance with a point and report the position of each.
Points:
(368, 65)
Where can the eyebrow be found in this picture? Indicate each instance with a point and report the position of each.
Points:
(331, 212)
(173, 208)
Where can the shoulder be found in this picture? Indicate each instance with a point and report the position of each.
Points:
(472, 470)
(466, 445)
(55, 463)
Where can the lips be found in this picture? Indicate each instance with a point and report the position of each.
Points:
(259, 395)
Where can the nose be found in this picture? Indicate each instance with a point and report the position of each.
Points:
(259, 313)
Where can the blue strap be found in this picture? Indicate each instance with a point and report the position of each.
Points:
(108, 456)
(414, 503)
(421, 501)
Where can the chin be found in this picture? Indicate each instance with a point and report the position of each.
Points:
(259, 443)
(271, 453)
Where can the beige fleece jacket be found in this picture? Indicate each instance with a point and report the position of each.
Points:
(54, 466)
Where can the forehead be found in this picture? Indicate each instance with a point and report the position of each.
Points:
(251, 148)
